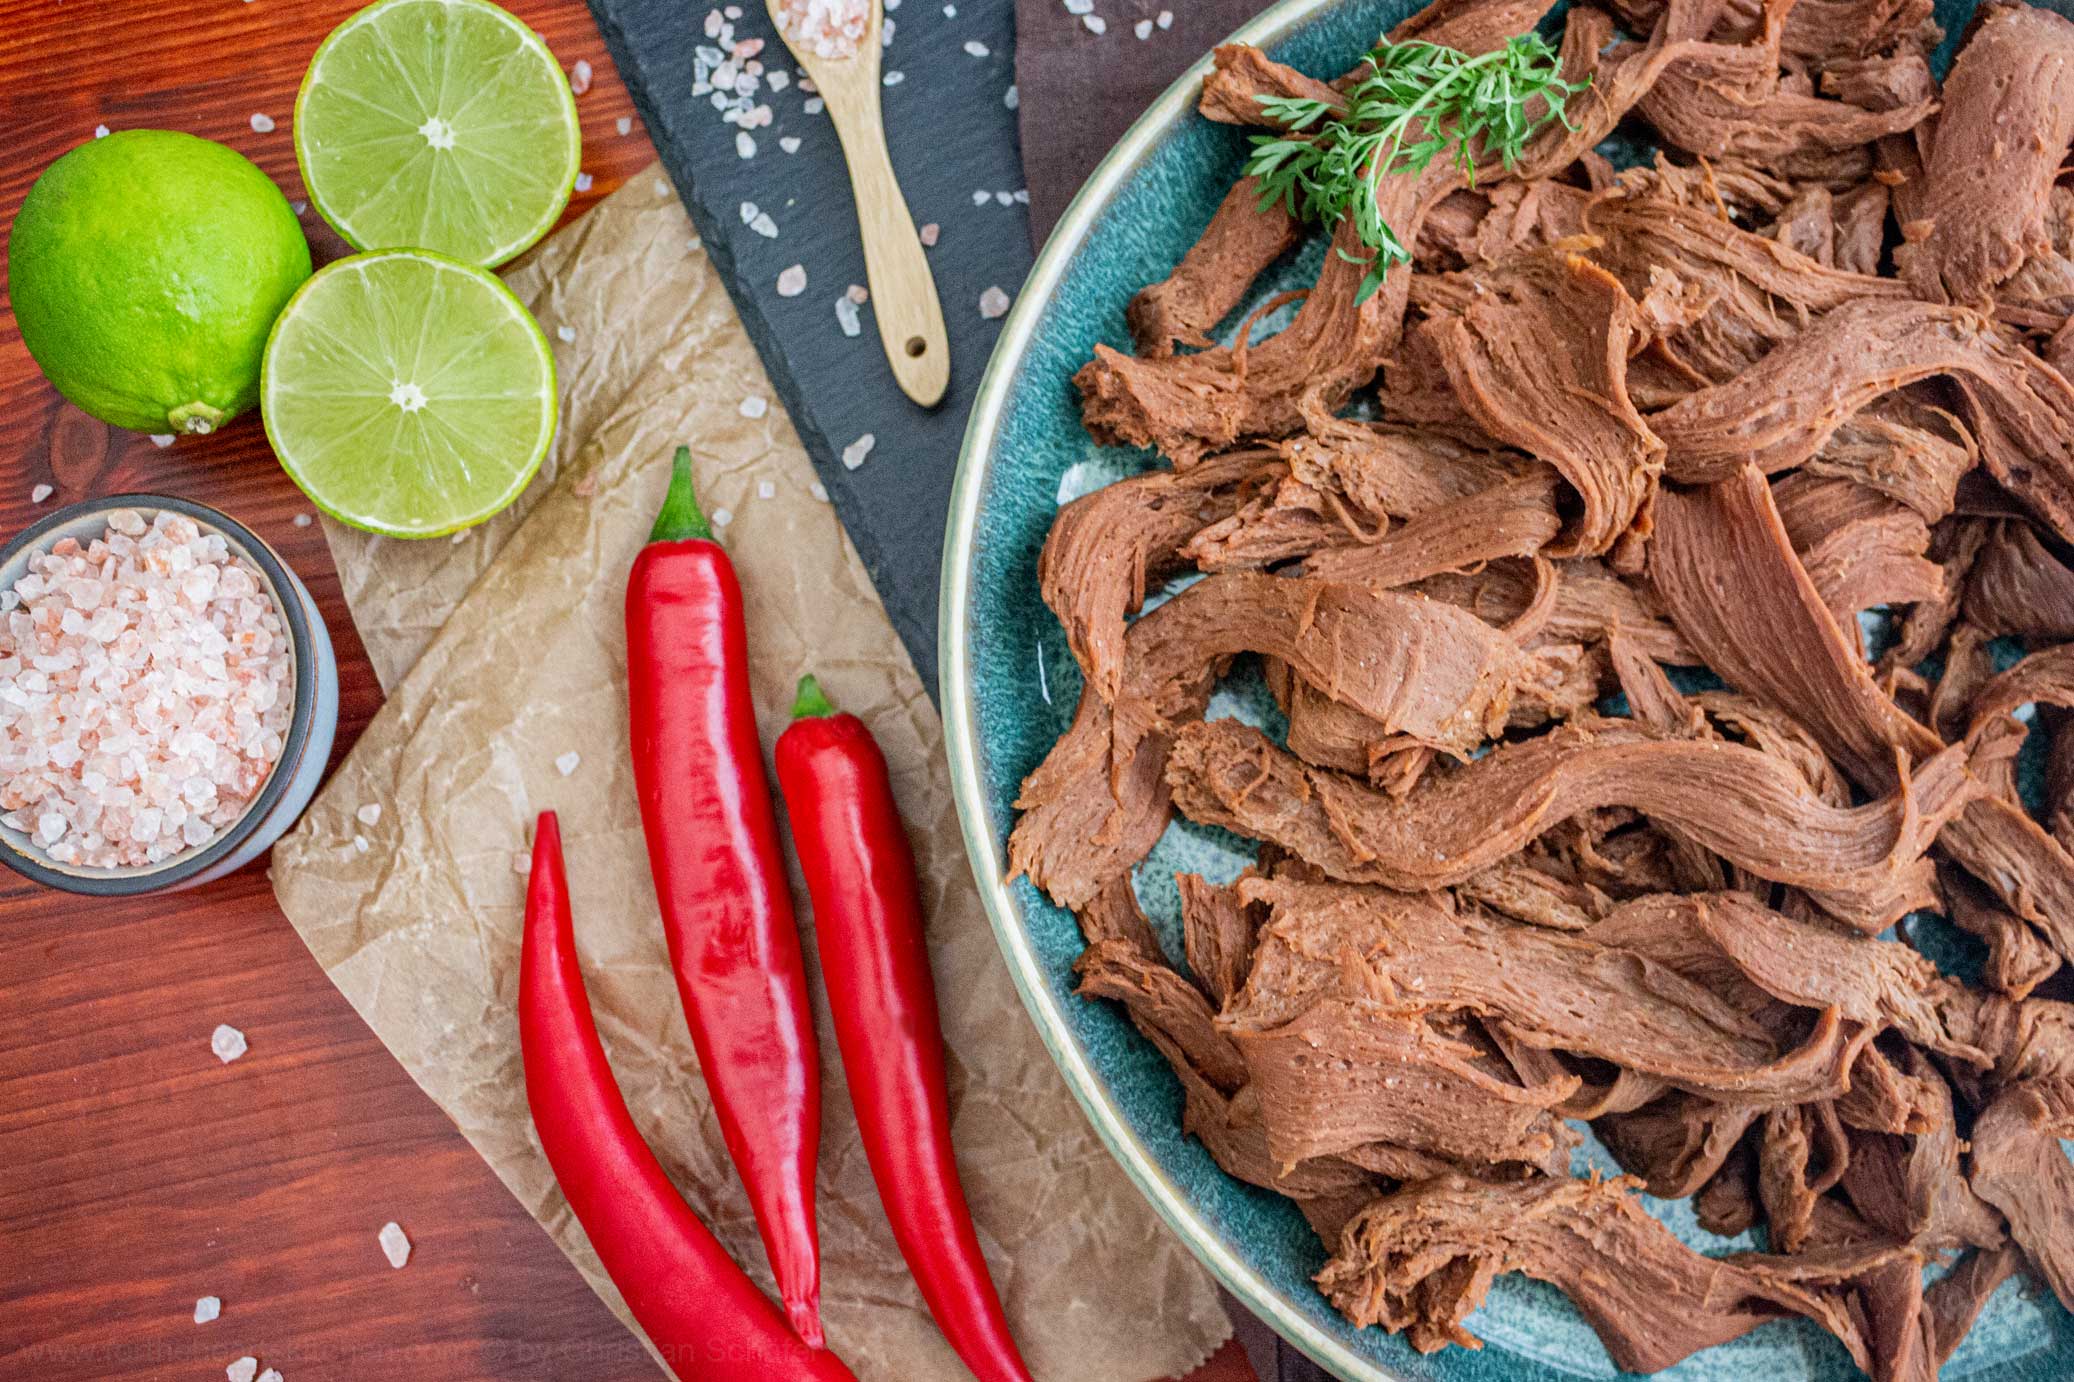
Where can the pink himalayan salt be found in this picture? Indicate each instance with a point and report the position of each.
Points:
(144, 693)
(825, 28)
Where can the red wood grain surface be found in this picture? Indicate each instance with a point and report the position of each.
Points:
(138, 1173)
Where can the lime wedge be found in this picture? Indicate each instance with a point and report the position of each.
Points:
(440, 124)
(408, 393)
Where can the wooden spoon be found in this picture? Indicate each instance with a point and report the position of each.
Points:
(903, 291)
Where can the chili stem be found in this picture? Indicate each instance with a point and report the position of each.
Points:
(681, 518)
(811, 702)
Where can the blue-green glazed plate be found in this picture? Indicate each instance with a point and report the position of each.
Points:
(1009, 688)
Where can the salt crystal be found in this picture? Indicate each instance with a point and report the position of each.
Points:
(930, 232)
(950, 11)
(1143, 29)
(243, 1370)
(1022, 195)
(813, 105)
(1005, 198)
(745, 147)
(369, 814)
(856, 451)
(1080, 6)
(826, 28)
(754, 406)
(792, 281)
(580, 77)
(263, 124)
(40, 493)
(750, 211)
(566, 764)
(980, 196)
(395, 1246)
(993, 303)
(894, 78)
(521, 862)
(763, 225)
(819, 491)
(566, 333)
(1012, 97)
(976, 48)
(857, 293)
(722, 517)
(207, 1309)
(360, 844)
(624, 124)
(302, 520)
(777, 81)
(790, 143)
(1166, 19)
(846, 316)
(270, 1375)
(583, 182)
(766, 490)
(100, 131)
(161, 440)
(1095, 23)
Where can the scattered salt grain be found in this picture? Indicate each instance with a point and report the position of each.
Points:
(886, 31)
(778, 81)
(750, 211)
(566, 333)
(733, 11)
(980, 196)
(894, 78)
(1005, 198)
(161, 440)
(950, 11)
(40, 493)
(580, 77)
(1080, 6)
(993, 303)
(723, 517)
(790, 143)
(976, 48)
(568, 762)
(1022, 195)
(270, 1375)
(745, 147)
(819, 491)
(763, 225)
(624, 124)
(227, 1042)
(395, 1246)
(583, 182)
(521, 863)
(1095, 23)
(207, 1309)
(360, 844)
(243, 1370)
(766, 490)
(930, 232)
(298, 207)
(826, 28)
(754, 406)
(369, 814)
(303, 520)
(262, 124)
(145, 696)
(1143, 29)
(856, 451)
(1166, 19)
(846, 316)
(857, 293)
(1012, 97)
(813, 105)
(792, 281)
(100, 131)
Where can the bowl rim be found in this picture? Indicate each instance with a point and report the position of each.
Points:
(288, 599)
(961, 741)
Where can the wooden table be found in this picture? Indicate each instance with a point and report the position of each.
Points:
(137, 1173)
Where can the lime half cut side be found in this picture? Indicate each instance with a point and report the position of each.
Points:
(441, 124)
(407, 393)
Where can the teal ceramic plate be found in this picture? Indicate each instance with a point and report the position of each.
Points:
(1009, 687)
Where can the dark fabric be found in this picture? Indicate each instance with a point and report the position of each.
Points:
(1080, 91)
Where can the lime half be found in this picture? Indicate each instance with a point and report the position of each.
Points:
(408, 393)
(440, 124)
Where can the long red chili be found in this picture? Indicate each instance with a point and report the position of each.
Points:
(701, 1311)
(874, 956)
(726, 908)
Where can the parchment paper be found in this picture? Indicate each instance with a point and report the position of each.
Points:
(504, 651)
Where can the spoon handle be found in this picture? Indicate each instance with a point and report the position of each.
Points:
(903, 291)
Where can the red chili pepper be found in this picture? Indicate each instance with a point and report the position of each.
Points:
(726, 907)
(875, 961)
(701, 1311)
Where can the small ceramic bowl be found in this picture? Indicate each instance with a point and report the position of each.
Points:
(307, 746)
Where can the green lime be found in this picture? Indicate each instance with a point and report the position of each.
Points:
(146, 268)
(442, 124)
(408, 393)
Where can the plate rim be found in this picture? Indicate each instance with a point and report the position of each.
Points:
(983, 847)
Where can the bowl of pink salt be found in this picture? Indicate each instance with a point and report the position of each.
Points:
(168, 696)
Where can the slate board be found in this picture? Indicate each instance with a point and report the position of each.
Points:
(952, 134)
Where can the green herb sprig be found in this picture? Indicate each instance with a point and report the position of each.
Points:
(1417, 99)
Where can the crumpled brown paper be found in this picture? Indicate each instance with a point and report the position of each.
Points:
(504, 651)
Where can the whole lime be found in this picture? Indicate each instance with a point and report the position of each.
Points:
(146, 269)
